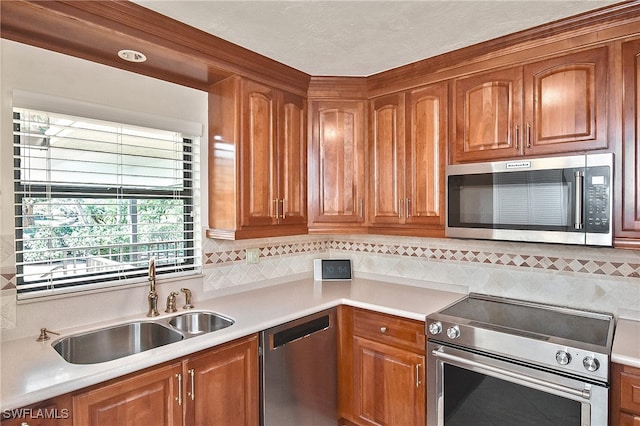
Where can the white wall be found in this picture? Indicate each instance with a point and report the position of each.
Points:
(32, 69)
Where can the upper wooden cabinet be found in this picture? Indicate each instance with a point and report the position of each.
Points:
(337, 166)
(552, 106)
(387, 160)
(407, 145)
(488, 116)
(627, 192)
(257, 161)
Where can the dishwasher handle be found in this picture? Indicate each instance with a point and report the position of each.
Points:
(300, 331)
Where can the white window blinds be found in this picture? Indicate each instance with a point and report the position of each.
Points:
(96, 199)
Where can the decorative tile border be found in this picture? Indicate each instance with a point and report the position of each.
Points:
(7, 281)
(277, 249)
(549, 263)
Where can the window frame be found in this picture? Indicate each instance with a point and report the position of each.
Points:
(90, 281)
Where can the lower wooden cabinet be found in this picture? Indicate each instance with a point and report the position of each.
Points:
(214, 387)
(625, 395)
(222, 385)
(151, 398)
(382, 369)
(52, 412)
(389, 384)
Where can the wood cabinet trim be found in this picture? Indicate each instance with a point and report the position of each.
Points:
(556, 38)
(206, 59)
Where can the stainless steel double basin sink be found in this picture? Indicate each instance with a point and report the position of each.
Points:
(109, 343)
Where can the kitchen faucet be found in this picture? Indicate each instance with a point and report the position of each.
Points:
(153, 296)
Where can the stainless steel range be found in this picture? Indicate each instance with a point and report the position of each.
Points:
(498, 361)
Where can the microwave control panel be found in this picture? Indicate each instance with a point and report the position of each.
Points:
(597, 199)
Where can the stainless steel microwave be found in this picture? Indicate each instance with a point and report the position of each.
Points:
(553, 200)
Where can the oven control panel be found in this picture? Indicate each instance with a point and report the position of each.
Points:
(589, 361)
(568, 359)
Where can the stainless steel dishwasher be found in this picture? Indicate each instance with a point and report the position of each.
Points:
(299, 372)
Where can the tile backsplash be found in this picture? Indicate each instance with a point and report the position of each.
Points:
(603, 279)
(591, 278)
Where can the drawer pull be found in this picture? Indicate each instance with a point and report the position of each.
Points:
(383, 329)
(192, 393)
(179, 397)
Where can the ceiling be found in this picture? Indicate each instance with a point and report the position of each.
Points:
(361, 38)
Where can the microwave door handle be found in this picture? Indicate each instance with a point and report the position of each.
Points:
(579, 186)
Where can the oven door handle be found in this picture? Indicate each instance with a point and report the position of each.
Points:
(580, 393)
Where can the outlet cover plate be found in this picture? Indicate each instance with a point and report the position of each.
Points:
(253, 255)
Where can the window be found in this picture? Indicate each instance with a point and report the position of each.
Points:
(95, 200)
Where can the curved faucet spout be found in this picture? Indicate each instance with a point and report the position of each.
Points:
(152, 274)
(153, 296)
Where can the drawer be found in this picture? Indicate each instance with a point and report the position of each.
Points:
(389, 329)
(629, 420)
(630, 392)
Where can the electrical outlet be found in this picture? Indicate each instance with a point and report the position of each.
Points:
(252, 255)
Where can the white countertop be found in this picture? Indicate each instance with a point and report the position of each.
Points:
(626, 343)
(32, 371)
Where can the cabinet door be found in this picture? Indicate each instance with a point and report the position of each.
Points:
(386, 156)
(627, 212)
(292, 160)
(625, 395)
(259, 197)
(426, 155)
(566, 103)
(488, 116)
(336, 163)
(629, 420)
(389, 384)
(224, 149)
(222, 385)
(149, 398)
(55, 412)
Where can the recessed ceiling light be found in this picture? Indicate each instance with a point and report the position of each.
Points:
(132, 55)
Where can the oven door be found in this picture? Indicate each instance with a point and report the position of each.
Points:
(467, 388)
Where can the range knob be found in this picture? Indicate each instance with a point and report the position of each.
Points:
(435, 327)
(591, 363)
(563, 357)
(453, 332)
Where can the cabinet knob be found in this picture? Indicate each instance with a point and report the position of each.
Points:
(383, 329)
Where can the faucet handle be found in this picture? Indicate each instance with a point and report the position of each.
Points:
(187, 296)
(171, 302)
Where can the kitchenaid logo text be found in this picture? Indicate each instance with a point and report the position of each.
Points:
(519, 165)
(36, 413)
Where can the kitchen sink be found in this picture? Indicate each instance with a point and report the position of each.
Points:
(200, 322)
(109, 343)
(115, 342)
